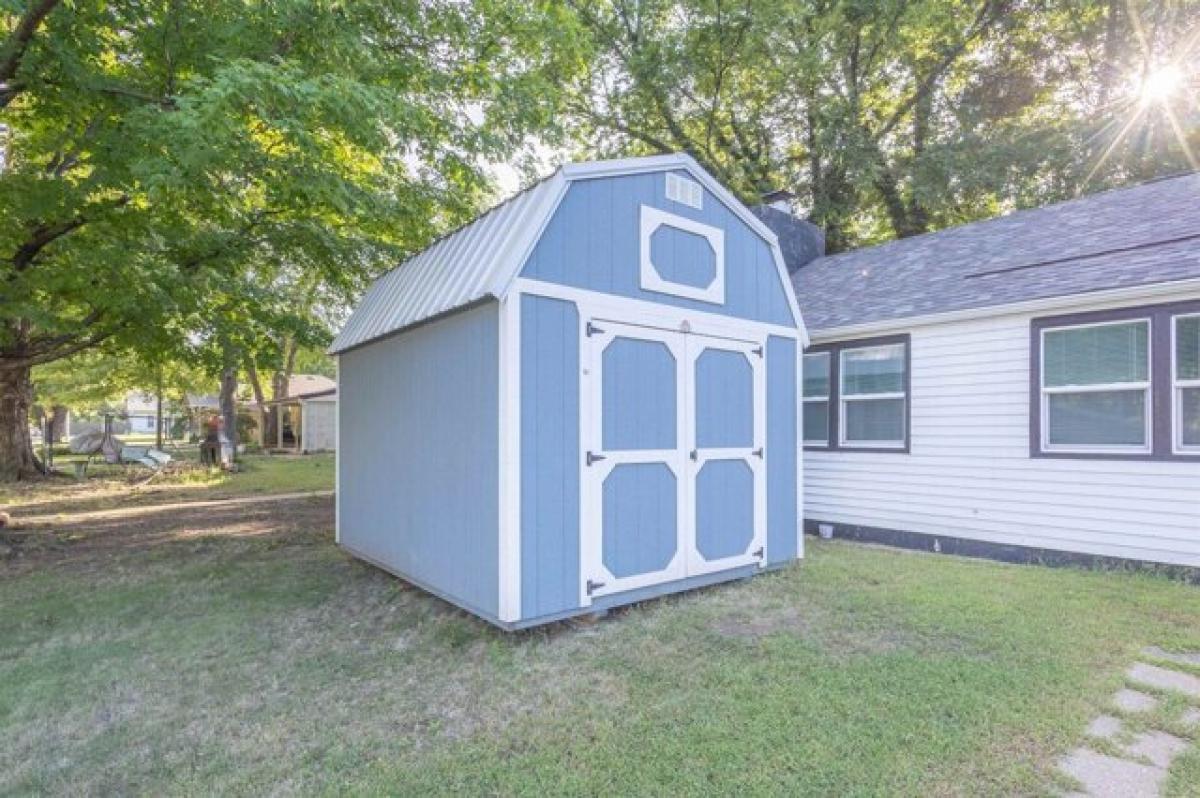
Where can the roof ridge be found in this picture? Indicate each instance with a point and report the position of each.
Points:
(1014, 214)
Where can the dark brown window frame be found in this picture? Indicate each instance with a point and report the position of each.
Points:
(1162, 389)
(835, 349)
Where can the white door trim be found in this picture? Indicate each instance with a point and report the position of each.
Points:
(685, 347)
(654, 314)
(593, 572)
(753, 456)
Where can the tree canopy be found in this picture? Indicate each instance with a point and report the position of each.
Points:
(893, 117)
(166, 162)
(211, 183)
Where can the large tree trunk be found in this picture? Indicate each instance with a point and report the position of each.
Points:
(17, 460)
(260, 399)
(228, 403)
(59, 420)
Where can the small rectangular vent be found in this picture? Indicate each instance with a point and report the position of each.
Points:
(680, 189)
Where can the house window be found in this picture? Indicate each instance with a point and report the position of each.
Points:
(1096, 387)
(873, 396)
(856, 395)
(1116, 384)
(816, 399)
(1185, 372)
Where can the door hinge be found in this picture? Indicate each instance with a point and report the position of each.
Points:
(592, 329)
(758, 350)
(758, 554)
(758, 452)
(593, 586)
(592, 458)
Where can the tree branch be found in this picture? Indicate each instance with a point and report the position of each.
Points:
(17, 43)
(990, 12)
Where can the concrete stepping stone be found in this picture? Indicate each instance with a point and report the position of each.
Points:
(1105, 776)
(1157, 746)
(1165, 679)
(1128, 700)
(1187, 658)
(1105, 727)
(1191, 718)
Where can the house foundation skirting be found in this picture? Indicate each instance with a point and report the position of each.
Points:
(1002, 552)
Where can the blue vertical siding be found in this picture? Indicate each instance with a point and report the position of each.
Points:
(724, 400)
(639, 403)
(418, 456)
(724, 509)
(783, 453)
(593, 242)
(549, 456)
(683, 257)
(641, 518)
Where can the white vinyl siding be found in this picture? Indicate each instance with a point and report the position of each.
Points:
(969, 473)
(1185, 375)
(816, 399)
(872, 396)
(1096, 388)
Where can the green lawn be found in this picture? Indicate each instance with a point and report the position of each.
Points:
(108, 487)
(245, 653)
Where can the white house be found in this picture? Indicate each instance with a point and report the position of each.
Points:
(1026, 387)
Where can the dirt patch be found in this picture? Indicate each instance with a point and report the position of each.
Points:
(89, 544)
(831, 633)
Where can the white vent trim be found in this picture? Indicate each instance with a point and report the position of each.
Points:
(688, 192)
(652, 280)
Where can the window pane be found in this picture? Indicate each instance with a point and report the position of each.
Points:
(1100, 418)
(816, 422)
(816, 374)
(879, 369)
(1189, 416)
(880, 420)
(1097, 355)
(1187, 348)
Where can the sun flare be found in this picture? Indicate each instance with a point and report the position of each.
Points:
(1160, 84)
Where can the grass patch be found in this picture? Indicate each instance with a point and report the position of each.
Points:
(248, 654)
(109, 487)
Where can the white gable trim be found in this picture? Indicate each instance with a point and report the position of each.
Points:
(651, 278)
(507, 271)
(510, 249)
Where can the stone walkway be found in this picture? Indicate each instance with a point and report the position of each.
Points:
(1133, 765)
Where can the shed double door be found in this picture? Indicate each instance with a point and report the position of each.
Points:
(674, 471)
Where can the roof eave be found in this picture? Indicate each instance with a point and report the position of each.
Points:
(1154, 290)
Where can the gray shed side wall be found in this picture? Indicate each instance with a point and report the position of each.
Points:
(418, 456)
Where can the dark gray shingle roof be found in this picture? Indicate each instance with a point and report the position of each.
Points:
(1126, 237)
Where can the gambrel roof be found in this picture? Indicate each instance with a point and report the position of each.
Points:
(480, 260)
(1136, 236)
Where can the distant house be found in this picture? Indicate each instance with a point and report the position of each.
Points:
(141, 413)
(1021, 387)
(305, 420)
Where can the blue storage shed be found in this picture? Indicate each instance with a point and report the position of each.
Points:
(588, 396)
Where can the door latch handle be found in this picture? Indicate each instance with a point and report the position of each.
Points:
(592, 458)
(593, 586)
(694, 455)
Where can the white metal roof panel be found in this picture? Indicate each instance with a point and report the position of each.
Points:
(456, 270)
